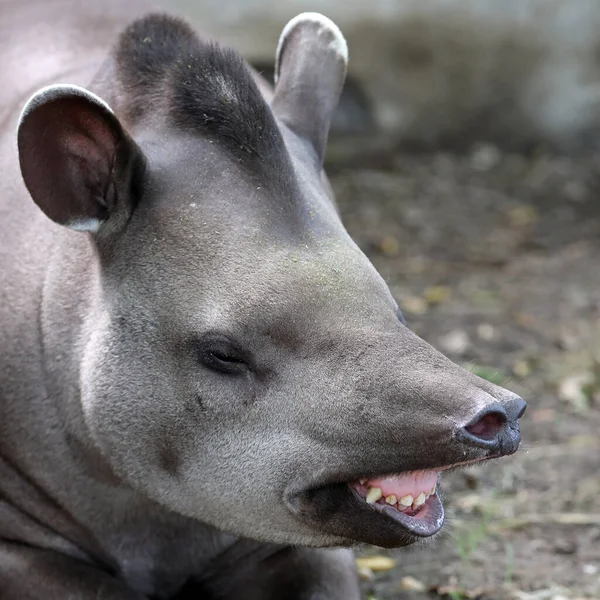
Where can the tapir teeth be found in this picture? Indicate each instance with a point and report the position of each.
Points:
(374, 494)
(420, 499)
(395, 490)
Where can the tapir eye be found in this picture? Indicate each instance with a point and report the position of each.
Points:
(222, 356)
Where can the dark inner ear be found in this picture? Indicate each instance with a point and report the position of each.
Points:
(75, 157)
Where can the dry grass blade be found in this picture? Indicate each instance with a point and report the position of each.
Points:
(547, 519)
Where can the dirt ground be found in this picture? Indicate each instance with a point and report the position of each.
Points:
(494, 259)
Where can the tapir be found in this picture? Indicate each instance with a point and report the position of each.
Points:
(206, 389)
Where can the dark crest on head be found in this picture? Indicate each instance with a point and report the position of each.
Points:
(161, 62)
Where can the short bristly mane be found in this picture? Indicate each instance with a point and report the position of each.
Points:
(204, 87)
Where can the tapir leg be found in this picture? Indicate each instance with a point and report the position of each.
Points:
(297, 574)
(28, 573)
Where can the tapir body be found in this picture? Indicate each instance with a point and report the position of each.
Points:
(206, 390)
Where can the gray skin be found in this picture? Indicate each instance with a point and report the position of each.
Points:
(129, 466)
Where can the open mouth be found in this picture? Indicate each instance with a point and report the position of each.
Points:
(388, 510)
(410, 499)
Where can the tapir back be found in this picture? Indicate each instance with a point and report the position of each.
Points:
(41, 42)
(44, 42)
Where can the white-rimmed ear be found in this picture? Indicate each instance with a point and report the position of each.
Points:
(310, 68)
(75, 157)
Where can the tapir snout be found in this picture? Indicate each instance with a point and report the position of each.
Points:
(392, 430)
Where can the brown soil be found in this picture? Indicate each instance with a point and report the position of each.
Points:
(494, 260)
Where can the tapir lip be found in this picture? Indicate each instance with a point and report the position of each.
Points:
(332, 505)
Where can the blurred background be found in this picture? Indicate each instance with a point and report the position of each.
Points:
(464, 158)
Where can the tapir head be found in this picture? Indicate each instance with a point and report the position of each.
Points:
(242, 362)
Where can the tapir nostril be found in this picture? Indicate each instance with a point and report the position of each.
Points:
(515, 408)
(488, 426)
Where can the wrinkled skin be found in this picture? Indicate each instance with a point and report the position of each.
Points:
(126, 447)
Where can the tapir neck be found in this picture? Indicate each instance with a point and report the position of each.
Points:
(68, 302)
(49, 271)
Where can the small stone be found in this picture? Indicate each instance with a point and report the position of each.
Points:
(414, 305)
(365, 574)
(522, 368)
(455, 342)
(411, 584)
(567, 340)
(575, 191)
(573, 390)
(437, 294)
(375, 563)
(389, 246)
(469, 502)
(589, 569)
(522, 216)
(486, 331)
(485, 157)
(543, 415)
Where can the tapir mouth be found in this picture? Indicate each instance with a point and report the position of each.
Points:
(410, 499)
(388, 510)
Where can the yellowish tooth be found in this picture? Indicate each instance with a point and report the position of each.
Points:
(373, 495)
(391, 499)
(432, 491)
(362, 481)
(406, 500)
(420, 499)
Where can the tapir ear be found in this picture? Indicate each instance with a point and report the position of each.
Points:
(310, 68)
(76, 159)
